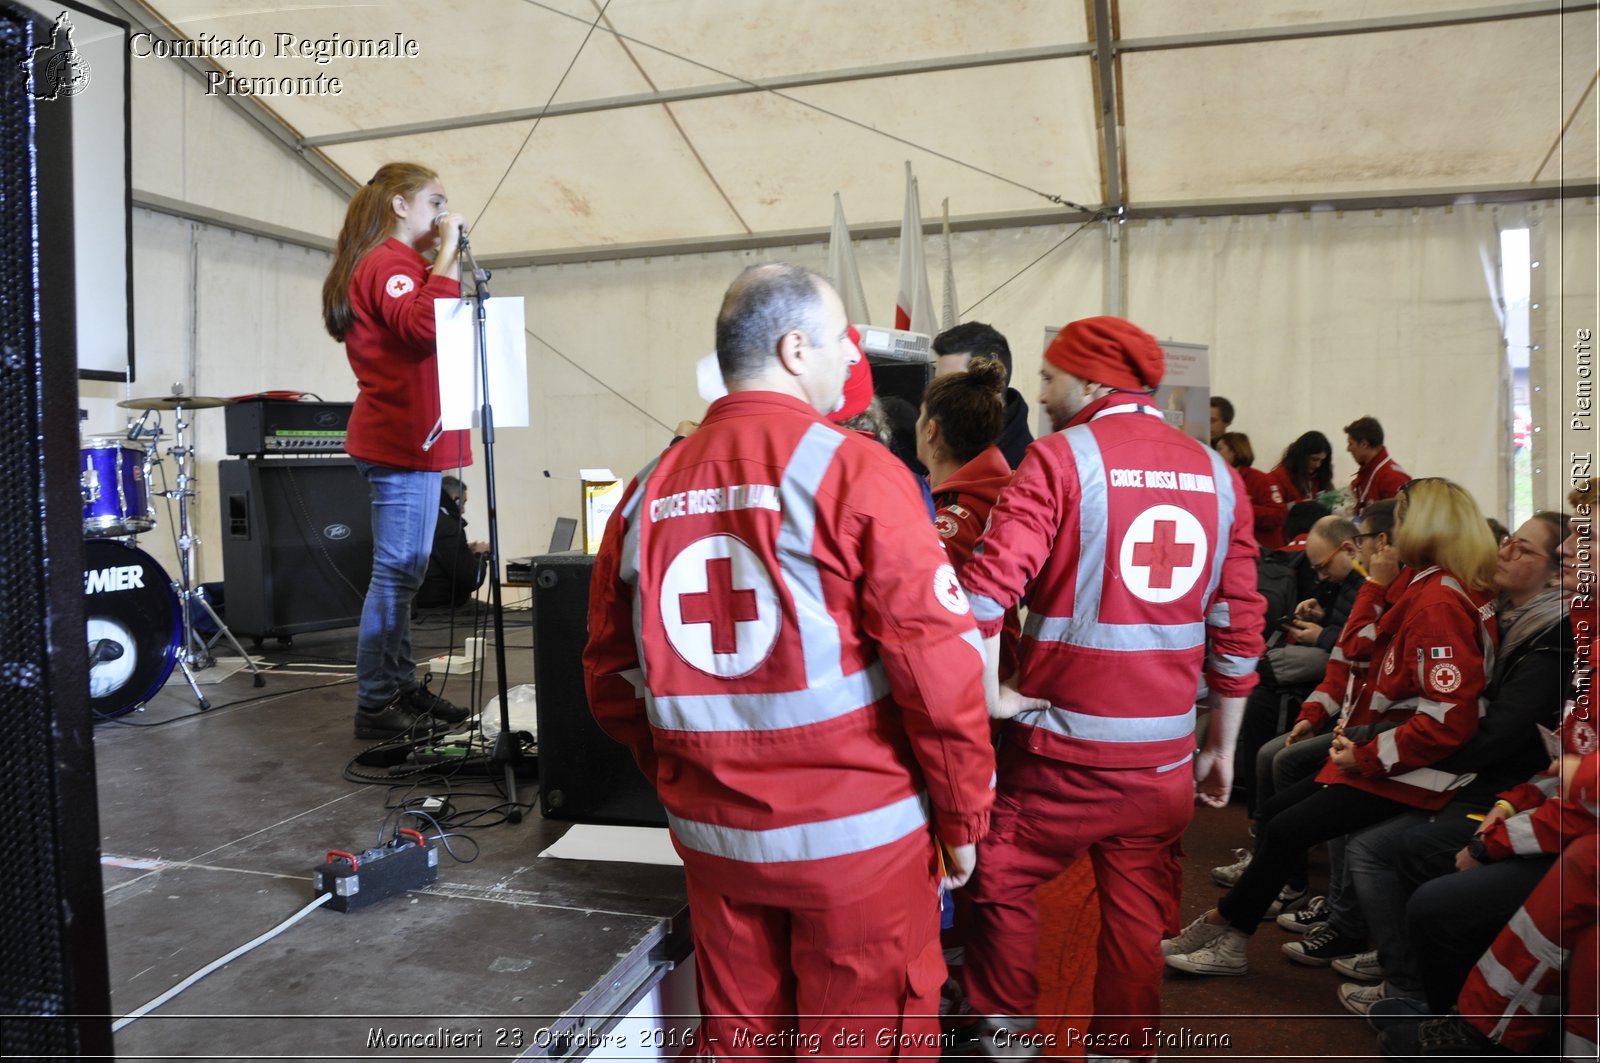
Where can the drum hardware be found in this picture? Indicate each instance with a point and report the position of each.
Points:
(190, 651)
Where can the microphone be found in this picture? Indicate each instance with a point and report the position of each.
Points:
(138, 427)
(442, 215)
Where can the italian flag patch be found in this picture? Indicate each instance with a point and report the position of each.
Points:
(1439, 653)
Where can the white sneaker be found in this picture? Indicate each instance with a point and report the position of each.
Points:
(1313, 915)
(1196, 935)
(1289, 898)
(1228, 874)
(1225, 955)
(1363, 967)
(1360, 998)
(1003, 1037)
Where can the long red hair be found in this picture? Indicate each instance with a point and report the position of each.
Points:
(368, 222)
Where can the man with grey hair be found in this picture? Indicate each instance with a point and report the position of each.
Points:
(777, 635)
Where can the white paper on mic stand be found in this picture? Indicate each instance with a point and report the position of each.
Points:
(456, 321)
(708, 378)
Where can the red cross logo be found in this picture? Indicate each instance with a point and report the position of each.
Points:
(1163, 554)
(720, 605)
(398, 285)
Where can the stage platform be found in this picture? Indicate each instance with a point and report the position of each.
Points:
(211, 824)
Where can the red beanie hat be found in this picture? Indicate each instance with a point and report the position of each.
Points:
(857, 386)
(1110, 351)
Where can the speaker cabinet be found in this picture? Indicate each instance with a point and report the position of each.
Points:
(584, 775)
(905, 380)
(54, 989)
(296, 544)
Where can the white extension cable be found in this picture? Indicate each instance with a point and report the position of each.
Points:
(139, 1013)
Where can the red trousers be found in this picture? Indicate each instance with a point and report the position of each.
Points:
(858, 979)
(1046, 814)
(1514, 994)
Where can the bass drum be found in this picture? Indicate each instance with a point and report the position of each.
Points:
(134, 626)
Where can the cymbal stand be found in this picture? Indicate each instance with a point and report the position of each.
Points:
(195, 653)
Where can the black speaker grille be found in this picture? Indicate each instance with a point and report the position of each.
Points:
(48, 901)
(32, 979)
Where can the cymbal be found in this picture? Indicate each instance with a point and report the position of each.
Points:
(172, 402)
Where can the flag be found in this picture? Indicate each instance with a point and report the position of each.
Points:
(913, 307)
(952, 315)
(842, 268)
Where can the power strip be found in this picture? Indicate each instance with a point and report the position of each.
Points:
(357, 880)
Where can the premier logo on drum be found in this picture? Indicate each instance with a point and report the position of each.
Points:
(118, 578)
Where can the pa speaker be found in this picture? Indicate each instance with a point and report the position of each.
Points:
(584, 775)
(905, 380)
(54, 988)
(296, 544)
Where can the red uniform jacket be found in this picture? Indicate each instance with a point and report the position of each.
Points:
(1431, 661)
(391, 350)
(1380, 478)
(1288, 490)
(1348, 664)
(1131, 542)
(777, 635)
(962, 504)
(1266, 500)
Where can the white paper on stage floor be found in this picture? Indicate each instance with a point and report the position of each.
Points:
(457, 324)
(632, 845)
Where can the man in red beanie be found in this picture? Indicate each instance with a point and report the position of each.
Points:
(1133, 546)
(777, 635)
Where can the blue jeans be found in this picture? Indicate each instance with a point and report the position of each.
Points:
(405, 508)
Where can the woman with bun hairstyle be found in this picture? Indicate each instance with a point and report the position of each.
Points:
(378, 301)
(1266, 497)
(957, 435)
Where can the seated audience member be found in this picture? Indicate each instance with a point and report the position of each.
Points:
(956, 347)
(1442, 617)
(1377, 476)
(1542, 968)
(456, 567)
(1452, 918)
(1265, 497)
(1292, 670)
(1296, 527)
(1283, 761)
(1221, 418)
(1306, 469)
(1531, 672)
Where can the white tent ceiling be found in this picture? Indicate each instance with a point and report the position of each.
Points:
(685, 123)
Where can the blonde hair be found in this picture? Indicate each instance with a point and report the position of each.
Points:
(368, 222)
(1440, 524)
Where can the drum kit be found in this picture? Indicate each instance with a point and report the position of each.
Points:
(141, 623)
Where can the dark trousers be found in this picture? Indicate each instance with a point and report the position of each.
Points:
(1454, 919)
(1297, 818)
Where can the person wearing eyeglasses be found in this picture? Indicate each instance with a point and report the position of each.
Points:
(1388, 862)
(1432, 652)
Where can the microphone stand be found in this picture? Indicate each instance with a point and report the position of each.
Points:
(507, 752)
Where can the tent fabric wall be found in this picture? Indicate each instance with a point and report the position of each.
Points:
(1564, 238)
(1271, 296)
(1314, 319)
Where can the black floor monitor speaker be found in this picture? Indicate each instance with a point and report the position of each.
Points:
(296, 544)
(584, 775)
(54, 990)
